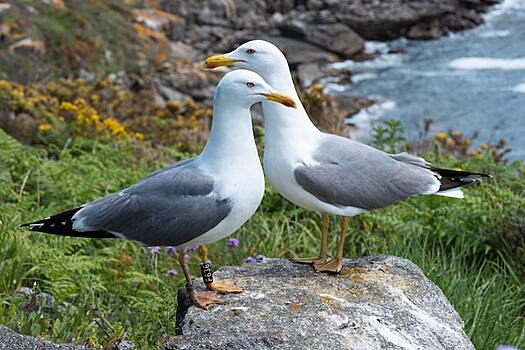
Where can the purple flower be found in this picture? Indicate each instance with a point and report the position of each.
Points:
(194, 249)
(233, 242)
(172, 272)
(249, 260)
(152, 250)
(171, 251)
(505, 347)
(187, 257)
(260, 258)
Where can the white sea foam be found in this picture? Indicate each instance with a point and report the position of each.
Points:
(359, 77)
(480, 63)
(364, 119)
(494, 33)
(519, 88)
(505, 6)
(380, 62)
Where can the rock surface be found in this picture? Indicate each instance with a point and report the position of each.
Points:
(10, 340)
(379, 302)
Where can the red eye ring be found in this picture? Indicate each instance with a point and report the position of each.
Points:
(250, 84)
(250, 51)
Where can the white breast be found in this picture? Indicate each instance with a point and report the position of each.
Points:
(243, 183)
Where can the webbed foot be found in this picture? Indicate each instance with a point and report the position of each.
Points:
(224, 287)
(311, 261)
(203, 299)
(334, 266)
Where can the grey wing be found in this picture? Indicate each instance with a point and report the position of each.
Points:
(170, 207)
(356, 175)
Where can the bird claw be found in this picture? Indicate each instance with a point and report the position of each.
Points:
(203, 299)
(334, 266)
(224, 287)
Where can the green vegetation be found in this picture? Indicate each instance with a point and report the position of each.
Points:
(95, 35)
(77, 141)
(111, 289)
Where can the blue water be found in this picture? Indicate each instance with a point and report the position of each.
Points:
(468, 81)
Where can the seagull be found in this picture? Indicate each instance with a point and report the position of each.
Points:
(329, 173)
(195, 201)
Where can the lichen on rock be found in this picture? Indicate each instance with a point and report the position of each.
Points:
(381, 302)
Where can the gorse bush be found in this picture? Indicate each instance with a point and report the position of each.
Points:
(56, 112)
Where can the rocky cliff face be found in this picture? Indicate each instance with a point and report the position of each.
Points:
(375, 303)
(335, 28)
(312, 33)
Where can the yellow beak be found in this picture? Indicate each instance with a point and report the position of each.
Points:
(219, 61)
(280, 98)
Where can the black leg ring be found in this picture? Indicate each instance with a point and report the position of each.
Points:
(207, 275)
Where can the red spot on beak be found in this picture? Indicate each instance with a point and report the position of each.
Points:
(288, 103)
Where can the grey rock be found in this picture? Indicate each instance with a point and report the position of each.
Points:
(25, 292)
(123, 345)
(298, 52)
(42, 300)
(10, 340)
(336, 37)
(380, 302)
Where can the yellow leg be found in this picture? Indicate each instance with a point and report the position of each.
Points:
(336, 264)
(323, 255)
(218, 286)
(200, 299)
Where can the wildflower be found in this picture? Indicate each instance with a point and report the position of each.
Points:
(190, 103)
(171, 251)
(187, 257)
(139, 136)
(152, 250)
(249, 260)
(172, 272)
(233, 242)
(67, 106)
(505, 347)
(44, 127)
(441, 136)
(260, 258)
(450, 143)
(174, 105)
(193, 249)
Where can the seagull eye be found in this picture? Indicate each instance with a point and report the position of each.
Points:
(250, 84)
(250, 51)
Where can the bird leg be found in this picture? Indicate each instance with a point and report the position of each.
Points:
(336, 264)
(207, 276)
(323, 255)
(200, 299)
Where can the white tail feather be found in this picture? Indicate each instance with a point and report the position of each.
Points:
(453, 192)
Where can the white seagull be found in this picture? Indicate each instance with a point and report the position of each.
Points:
(329, 173)
(196, 201)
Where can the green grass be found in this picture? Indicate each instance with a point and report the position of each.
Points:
(96, 35)
(109, 289)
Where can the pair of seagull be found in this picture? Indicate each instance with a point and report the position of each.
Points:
(201, 200)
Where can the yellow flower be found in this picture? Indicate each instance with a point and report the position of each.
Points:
(441, 136)
(67, 106)
(139, 136)
(44, 127)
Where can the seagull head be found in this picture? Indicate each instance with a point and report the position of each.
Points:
(257, 55)
(247, 87)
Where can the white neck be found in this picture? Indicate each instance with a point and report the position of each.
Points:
(231, 138)
(280, 121)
